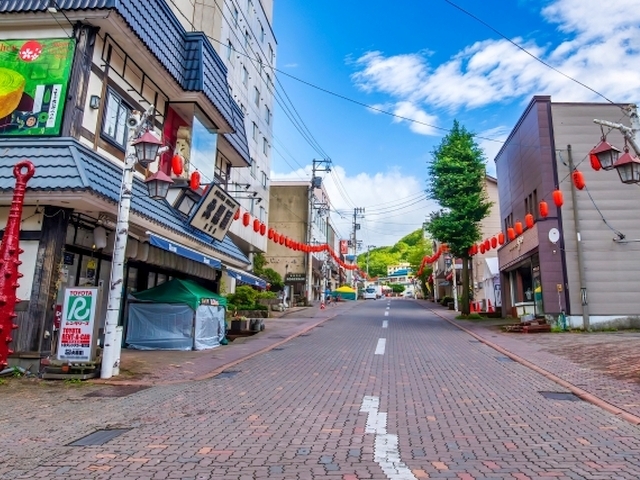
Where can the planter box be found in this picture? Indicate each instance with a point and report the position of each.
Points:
(253, 313)
(239, 326)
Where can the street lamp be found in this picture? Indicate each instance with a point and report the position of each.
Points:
(142, 148)
(627, 165)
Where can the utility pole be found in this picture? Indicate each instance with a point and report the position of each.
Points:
(369, 247)
(358, 212)
(316, 182)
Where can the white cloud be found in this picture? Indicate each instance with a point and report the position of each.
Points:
(394, 203)
(600, 48)
(491, 142)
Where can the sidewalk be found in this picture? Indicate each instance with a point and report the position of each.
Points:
(602, 368)
(162, 367)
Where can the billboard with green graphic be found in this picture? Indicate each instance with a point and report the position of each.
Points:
(33, 85)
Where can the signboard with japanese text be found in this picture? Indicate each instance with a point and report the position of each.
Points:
(33, 85)
(214, 213)
(77, 324)
(344, 247)
(295, 278)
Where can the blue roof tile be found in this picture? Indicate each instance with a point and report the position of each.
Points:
(64, 164)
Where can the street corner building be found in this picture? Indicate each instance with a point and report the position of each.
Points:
(72, 74)
(572, 229)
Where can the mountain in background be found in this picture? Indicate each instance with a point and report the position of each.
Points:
(410, 248)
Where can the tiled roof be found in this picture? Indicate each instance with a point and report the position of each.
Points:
(63, 164)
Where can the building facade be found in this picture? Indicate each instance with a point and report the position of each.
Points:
(583, 258)
(87, 68)
(485, 274)
(242, 35)
(301, 212)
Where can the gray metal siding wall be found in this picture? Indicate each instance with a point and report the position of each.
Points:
(612, 270)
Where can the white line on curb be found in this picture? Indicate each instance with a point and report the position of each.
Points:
(382, 342)
(385, 323)
(386, 453)
(386, 314)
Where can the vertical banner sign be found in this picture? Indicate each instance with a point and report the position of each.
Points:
(76, 328)
(344, 247)
(33, 85)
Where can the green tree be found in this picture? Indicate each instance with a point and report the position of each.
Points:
(456, 181)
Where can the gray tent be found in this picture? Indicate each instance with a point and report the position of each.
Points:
(177, 315)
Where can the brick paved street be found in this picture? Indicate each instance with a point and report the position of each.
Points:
(384, 390)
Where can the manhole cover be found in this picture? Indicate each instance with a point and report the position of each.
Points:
(227, 374)
(117, 391)
(99, 438)
(568, 396)
(504, 359)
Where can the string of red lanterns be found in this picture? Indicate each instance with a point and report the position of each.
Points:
(281, 239)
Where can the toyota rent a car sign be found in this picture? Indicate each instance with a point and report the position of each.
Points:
(76, 327)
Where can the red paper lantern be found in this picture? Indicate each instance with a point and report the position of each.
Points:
(595, 163)
(501, 238)
(518, 227)
(236, 215)
(482, 249)
(474, 248)
(177, 164)
(578, 179)
(276, 237)
(511, 233)
(263, 229)
(194, 181)
(256, 225)
(528, 220)
(470, 252)
(281, 241)
(270, 233)
(487, 245)
(544, 209)
(494, 242)
(558, 198)
(246, 218)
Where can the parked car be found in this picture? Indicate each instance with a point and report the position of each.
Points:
(370, 294)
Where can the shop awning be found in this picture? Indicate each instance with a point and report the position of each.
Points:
(492, 269)
(246, 277)
(182, 250)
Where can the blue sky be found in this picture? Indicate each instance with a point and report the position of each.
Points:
(430, 62)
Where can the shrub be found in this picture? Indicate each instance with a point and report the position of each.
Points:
(244, 295)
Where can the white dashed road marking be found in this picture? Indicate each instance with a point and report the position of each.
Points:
(382, 342)
(386, 453)
(386, 314)
(385, 323)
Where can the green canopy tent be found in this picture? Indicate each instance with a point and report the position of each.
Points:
(176, 315)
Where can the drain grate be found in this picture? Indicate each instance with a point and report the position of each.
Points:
(277, 336)
(277, 349)
(99, 438)
(567, 396)
(227, 374)
(117, 391)
(504, 359)
(474, 341)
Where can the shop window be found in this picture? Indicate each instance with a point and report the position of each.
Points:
(267, 115)
(256, 96)
(114, 126)
(264, 180)
(190, 134)
(254, 132)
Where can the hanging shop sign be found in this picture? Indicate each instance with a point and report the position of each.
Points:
(295, 278)
(214, 213)
(76, 336)
(33, 85)
(344, 247)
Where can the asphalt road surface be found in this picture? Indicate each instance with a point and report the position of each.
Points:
(385, 391)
